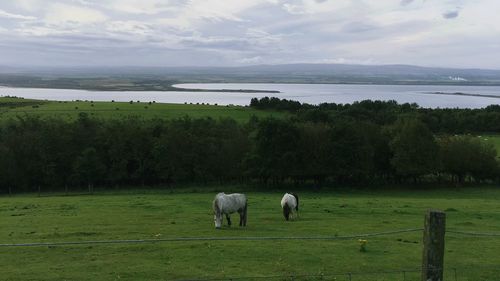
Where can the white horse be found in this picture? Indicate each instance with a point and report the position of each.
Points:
(228, 204)
(290, 205)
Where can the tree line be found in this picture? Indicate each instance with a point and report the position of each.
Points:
(438, 120)
(52, 153)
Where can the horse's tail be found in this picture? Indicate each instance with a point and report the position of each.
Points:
(296, 199)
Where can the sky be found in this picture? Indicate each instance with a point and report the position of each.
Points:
(443, 33)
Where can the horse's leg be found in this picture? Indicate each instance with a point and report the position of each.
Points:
(242, 217)
(228, 220)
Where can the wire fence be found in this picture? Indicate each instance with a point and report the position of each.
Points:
(236, 238)
(243, 238)
(408, 274)
(471, 233)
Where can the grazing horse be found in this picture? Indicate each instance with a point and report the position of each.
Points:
(290, 205)
(228, 204)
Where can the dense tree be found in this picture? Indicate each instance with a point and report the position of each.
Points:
(366, 142)
(88, 168)
(315, 151)
(467, 156)
(414, 148)
(351, 158)
(276, 152)
(439, 120)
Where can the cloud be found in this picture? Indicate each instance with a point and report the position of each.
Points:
(29, 5)
(368, 61)
(147, 7)
(359, 27)
(224, 32)
(251, 60)
(451, 14)
(406, 2)
(304, 7)
(63, 13)
(130, 28)
(7, 15)
(294, 9)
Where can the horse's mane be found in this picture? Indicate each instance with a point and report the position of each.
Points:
(297, 199)
(215, 206)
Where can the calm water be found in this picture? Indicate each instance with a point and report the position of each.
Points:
(310, 93)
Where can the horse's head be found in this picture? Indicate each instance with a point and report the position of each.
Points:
(218, 220)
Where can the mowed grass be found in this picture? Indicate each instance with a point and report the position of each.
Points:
(157, 215)
(493, 140)
(71, 109)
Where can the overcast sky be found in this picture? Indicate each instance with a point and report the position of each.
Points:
(448, 33)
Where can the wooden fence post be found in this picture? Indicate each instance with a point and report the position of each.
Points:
(433, 256)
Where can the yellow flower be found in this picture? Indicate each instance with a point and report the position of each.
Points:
(362, 245)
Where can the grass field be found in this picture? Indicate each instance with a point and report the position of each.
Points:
(154, 215)
(70, 110)
(492, 139)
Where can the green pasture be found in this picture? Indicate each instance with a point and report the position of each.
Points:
(12, 107)
(158, 214)
(493, 140)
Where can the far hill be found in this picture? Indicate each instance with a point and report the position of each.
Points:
(159, 77)
(338, 73)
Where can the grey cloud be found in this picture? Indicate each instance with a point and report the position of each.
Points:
(358, 27)
(357, 30)
(5, 14)
(239, 44)
(406, 2)
(451, 14)
(214, 43)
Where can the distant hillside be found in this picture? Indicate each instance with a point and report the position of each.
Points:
(287, 73)
(342, 73)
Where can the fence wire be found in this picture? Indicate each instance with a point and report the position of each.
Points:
(400, 274)
(184, 239)
(471, 233)
(254, 238)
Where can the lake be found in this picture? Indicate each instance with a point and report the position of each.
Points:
(310, 93)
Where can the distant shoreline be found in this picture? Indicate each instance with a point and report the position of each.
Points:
(129, 89)
(462, 94)
(305, 93)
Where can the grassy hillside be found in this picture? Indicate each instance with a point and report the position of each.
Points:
(11, 107)
(162, 215)
(492, 139)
